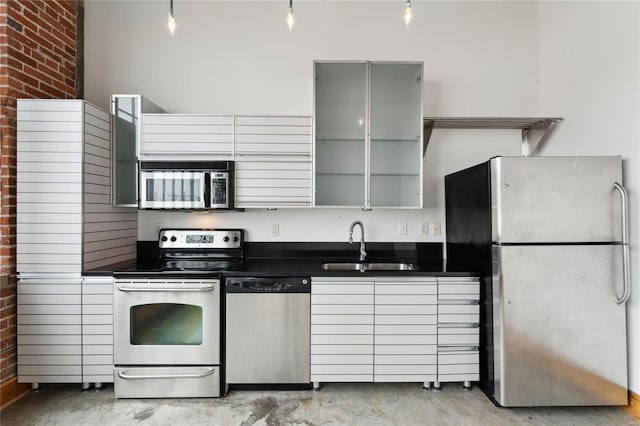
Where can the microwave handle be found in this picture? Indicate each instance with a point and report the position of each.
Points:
(207, 190)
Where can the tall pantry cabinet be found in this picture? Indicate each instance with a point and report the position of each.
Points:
(66, 225)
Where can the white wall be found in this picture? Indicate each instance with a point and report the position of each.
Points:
(239, 57)
(589, 70)
(577, 60)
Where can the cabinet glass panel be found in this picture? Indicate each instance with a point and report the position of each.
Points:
(341, 129)
(125, 111)
(396, 152)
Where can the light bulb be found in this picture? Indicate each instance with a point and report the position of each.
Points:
(407, 13)
(172, 23)
(290, 19)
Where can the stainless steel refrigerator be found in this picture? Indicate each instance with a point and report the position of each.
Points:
(549, 236)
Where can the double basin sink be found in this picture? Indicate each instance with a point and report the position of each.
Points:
(369, 266)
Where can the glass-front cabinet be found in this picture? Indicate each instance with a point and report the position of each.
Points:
(126, 110)
(368, 137)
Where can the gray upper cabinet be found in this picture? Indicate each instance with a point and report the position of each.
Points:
(273, 161)
(368, 135)
(126, 111)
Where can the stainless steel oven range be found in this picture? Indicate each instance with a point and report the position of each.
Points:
(167, 316)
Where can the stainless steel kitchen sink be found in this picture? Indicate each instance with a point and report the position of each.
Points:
(369, 266)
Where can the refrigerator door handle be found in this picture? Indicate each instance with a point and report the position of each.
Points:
(626, 292)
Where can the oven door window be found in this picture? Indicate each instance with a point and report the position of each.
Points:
(166, 324)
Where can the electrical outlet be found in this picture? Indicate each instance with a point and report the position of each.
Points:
(436, 228)
(424, 228)
(402, 228)
(275, 230)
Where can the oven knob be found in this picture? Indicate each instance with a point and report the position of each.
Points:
(164, 238)
(235, 239)
(173, 239)
(226, 239)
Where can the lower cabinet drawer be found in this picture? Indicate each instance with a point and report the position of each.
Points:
(459, 339)
(459, 369)
(458, 336)
(184, 382)
(463, 357)
(459, 313)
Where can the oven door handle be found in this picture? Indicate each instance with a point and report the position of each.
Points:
(123, 374)
(146, 288)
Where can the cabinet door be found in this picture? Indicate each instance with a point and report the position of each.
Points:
(405, 330)
(49, 329)
(368, 150)
(273, 161)
(126, 116)
(186, 137)
(97, 329)
(341, 330)
(396, 135)
(341, 133)
(126, 111)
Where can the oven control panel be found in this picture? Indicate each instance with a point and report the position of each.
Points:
(200, 238)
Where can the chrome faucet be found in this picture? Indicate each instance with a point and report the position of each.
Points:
(363, 253)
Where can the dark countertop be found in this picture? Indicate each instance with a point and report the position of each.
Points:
(306, 259)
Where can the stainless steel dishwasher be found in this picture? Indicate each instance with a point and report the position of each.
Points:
(267, 328)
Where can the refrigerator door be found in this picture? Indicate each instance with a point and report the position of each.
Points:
(559, 336)
(555, 199)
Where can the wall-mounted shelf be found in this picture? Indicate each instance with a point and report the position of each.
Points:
(534, 129)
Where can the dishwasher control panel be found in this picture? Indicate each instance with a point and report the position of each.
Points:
(268, 285)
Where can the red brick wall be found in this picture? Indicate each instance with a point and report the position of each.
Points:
(37, 60)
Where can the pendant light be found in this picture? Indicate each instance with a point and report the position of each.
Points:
(172, 19)
(290, 19)
(407, 13)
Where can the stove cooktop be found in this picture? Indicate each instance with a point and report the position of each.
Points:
(192, 251)
(185, 267)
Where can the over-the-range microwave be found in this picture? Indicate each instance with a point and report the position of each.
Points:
(186, 185)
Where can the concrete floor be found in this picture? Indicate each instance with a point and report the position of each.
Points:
(335, 404)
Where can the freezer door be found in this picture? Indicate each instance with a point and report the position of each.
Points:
(559, 336)
(555, 199)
